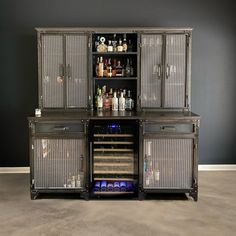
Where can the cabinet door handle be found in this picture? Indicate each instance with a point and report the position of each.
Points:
(167, 71)
(159, 71)
(59, 128)
(168, 128)
(91, 164)
(68, 71)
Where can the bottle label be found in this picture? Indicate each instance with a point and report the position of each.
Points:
(119, 48)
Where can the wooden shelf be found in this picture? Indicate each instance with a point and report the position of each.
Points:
(111, 193)
(115, 179)
(114, 164)
(131, 158)
(113, 142)
(113, 172)
(113, 150)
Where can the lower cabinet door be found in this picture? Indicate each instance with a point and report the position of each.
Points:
(58, 163)
(168, 163)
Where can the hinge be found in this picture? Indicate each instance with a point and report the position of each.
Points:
(39, 42)
(195, 146)
(32, 147)
(140, 45)
(32, 182)
(89, 44)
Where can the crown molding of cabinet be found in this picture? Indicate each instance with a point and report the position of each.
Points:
(26, 170)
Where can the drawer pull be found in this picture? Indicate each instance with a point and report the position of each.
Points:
(59, 128)
(168, 128)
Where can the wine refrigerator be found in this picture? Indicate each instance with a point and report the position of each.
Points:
(113, 157)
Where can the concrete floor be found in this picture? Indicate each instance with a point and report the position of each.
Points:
(213, 214)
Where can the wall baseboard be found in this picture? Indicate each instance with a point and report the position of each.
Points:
(26, 170)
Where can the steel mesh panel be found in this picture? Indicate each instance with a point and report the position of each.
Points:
(176, 60)
(56, 161)
(151, 57)
(52, 61)
(170, 163)
(76, 61)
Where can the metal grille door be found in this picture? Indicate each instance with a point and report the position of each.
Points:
(175, 71)
(168, 163)
(52, 71)
(76, 62)
(151, 70)
(58, 163)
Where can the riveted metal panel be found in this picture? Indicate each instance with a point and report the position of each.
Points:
(175, 81)
(56, 161)
(151, 70)
(52, 71)
(77, 76)
(169, 163)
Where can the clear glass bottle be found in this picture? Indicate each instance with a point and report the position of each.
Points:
(97, 67)
(100, 100)
(100, 67)
(105, 68)
(129, 102)
(114, 68)
(106, 102)
(125, 46)
(96, 43)
(127, 69)
(114, 103)
(110, 98)
(102, 47)
(110, 46)
(120, 46)
(121, 102)
(109, 68)
(130, 46)
(114, 43)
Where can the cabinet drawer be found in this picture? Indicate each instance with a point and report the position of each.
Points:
(168, 128)
(59, 128)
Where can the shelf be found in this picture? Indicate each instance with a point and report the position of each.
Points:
(115, 179)
(113, 150)
(113, 172)
(111, 193)
(114, 53)
(113, 164)
(113, 142)
(113, 135)
(115, 78)
(126, 158)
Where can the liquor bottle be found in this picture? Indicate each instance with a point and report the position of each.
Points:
(102, 47)
(127, 69)
(104, 90)
(110, 187)
(96, 97)
(129, 102)
(119, 69)
(104, 185)
(122, 186)
(97, 186)
(116, 186)
(109, 68)
(100, 68)
(110, 98)
(110, 46)
(106, 103)
(125, 46)
(131, 68)
(114, 43)
(78, 181)
(73, 181)
(114, 103)
(130, 46)
(105, 69)
(100, 100)
(120, 46)
(121, 102)
(114, 68)
(96, 43)
(97, 67)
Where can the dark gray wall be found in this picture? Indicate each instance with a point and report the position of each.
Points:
(213, 64)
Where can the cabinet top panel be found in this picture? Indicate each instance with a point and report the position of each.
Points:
(112, 29)
(116, 115)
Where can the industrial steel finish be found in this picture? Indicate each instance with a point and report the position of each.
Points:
(52, 71)
(76, 70)
(56, 161)
(169, 163)
(175, 76)
(151, 70)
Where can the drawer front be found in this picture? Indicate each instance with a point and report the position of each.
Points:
(59, 128)
(151, 128)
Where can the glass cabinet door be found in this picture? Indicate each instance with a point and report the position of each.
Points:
(151, 70)
(175, 71)
(76, 70)
(52, 71)
(168, 163)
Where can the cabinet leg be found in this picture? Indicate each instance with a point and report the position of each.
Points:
(194, 193)
(34, 195)
(85, 196)
(141, 196)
